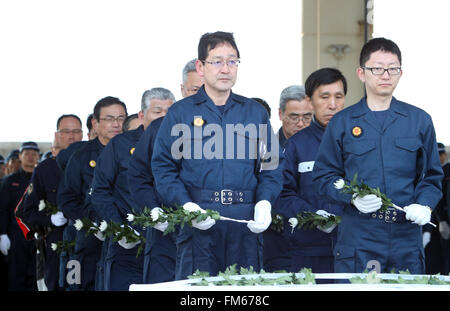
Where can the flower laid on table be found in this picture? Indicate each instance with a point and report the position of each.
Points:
(309, 220)
(47, 207)
(361, 189)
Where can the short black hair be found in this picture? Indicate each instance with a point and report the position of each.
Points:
(66, 116)
(324, 76)
(378, 44)
(210, 40)
(106, 102)
(126, 123)
(89, 121)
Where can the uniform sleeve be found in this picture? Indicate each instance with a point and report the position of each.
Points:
(428, 190)
(69, 198)
(31, 202)
(329, 165)
(165, 167)
(4, 203)
(105, 173)
(140, 177)
(290, 201)
(270, 178)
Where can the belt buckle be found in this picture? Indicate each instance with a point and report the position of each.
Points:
(388, 217)
(223, 193)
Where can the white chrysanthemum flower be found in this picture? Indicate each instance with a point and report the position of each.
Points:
(78, 224)
(155, 214)
(293, 222)
(103, 226)
(41, 205)
(54, 246)
(130, 217)
(339, 184)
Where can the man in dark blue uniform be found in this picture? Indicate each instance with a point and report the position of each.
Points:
(12, 162)
(109, 113)
(391, 145)
(295, 113)
(111, 197)
(21, 253)
(43, 187)
(325, 90)
(159, 253)
(206, 157)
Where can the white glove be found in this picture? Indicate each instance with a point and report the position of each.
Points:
(123, 242)
(5, 244)
(127, 245)
(202, 225)
(444, 230)
(367, 204)
(326, 215)
(418, 214)
(58, 219)
(99, 235)
(426, 238)
(161, 226)
(262, 217)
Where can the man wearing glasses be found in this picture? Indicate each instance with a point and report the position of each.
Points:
(391, 145)
(43, 186)
(295, 112)
(325, 91)
(214, 177)
(109, 113)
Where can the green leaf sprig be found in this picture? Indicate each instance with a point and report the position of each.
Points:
(310, 221)
(361, 189)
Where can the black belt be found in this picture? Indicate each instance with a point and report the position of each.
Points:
(390, 215)
(223, 196)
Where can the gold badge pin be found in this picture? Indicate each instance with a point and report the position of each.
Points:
(356, 131)
(92, 163)
(199, 122)
(132, 150)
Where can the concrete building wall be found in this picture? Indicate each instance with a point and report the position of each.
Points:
(334, 22)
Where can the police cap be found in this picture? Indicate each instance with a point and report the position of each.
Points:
(29, 145)
(14, 154)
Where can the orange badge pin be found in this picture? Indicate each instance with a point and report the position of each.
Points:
(198, 122)
(92, 163)
(356, 131)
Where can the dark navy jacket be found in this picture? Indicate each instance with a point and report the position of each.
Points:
(12, 189)
(400, 157)
(77, 181)
(140, 177)
(298, 194)
(43, 186)
(195, 122)
(110, 196)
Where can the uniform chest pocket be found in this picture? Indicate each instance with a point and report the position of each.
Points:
(409, 144)
(361, 147)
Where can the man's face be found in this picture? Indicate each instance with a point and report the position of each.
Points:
(380, 85)
(327, 100)
(13, 165)
(29, 158)
(110, 122)
(193, 83)
(69, 131)
(296, 116)
(218, 79)
(158, 108)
